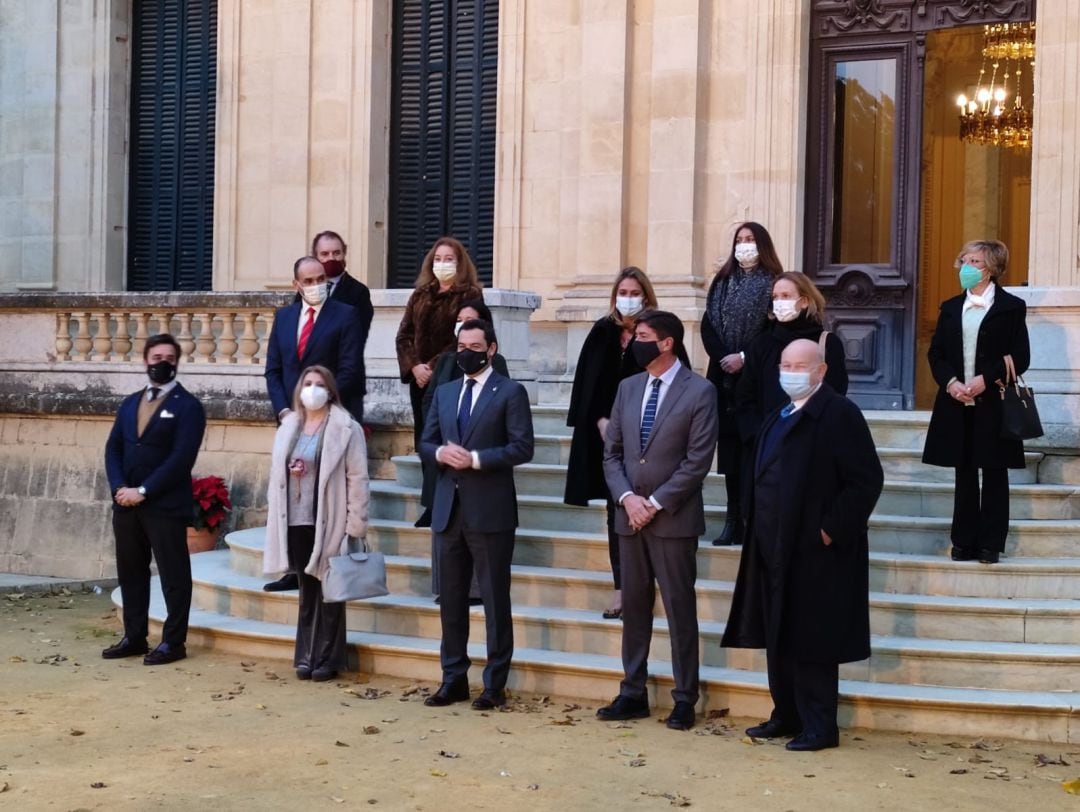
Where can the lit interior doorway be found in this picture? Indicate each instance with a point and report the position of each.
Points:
(969, 191)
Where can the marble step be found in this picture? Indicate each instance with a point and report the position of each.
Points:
(900, 497)
(914, 535)
(1033, 715)
(905, 660)
(897, 463)
(546, 575)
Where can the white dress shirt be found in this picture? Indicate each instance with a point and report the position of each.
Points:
(163, 389)
(481, 379)
(665, 379)
(304, 307)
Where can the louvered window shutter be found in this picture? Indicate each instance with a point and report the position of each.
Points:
(171, 191)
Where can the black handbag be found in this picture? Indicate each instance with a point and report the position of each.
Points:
(1019, 415)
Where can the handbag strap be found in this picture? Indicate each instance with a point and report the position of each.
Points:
(1010, 374)
(821, 339)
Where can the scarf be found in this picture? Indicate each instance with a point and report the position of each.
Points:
(738, 305)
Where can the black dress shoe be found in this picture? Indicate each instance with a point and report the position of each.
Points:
(125, 648)
(962, 554)
(424, 520)
(988, 556)
(489, 700)
(772, 729)
(303, 672)
(732, 534)
(476, 601)
(449, 693)
(806, 743)
(681, 716)
(323, 674)
(622, 708)
(286, 583)
(165, 654)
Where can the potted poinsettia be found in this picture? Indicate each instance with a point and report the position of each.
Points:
(210, 504)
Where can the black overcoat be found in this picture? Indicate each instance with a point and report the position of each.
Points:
(602, 364)
(1003, 332)
(832, 481)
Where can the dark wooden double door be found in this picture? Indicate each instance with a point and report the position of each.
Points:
(864, 176)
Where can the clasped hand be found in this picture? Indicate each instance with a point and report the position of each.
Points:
(128, 497)
(639, 510)
(456, 456)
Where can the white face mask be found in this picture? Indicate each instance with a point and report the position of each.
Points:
(314, 397)
(314, 295)
(785, 309)
(629, 305)
(796, 384)
(457, 327)
(746, 253)
(444, 271)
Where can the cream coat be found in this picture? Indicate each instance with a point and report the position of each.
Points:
(342, 510)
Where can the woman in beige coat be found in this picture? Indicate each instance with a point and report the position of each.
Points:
(317, 500)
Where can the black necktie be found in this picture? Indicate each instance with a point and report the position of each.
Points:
(465, 409)
(154, 392)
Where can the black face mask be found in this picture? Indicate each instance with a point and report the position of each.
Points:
(161, 372)
(472, 361)
(645, 352)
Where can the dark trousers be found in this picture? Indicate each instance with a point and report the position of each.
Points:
(320, 627)
(979, 524)
(416, 399)
(648, 560)
(613, 545)
(729, 462)
(462, 552)
(140, 532)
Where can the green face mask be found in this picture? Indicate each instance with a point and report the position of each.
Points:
(970, 276)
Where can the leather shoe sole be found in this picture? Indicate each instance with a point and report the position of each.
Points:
(988, 556)
(323, 674)
(772, 730)
(489, 700)
(448, 694)
(806, 744)
(163, 656)
(624, 708)
(125, 648)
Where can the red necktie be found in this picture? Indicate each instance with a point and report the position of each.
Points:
(305, 334)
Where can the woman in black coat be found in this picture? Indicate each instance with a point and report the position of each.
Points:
(735, 313)
(798, 311)
(606, 358)
(975, 331)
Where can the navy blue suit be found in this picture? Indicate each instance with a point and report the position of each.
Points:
(474, 515)
(334, 343)
(160, 460)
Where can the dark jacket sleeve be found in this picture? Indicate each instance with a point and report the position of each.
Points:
(685, 481)
(940, 365)
(114, 450)
(349, 356)
(614, 467)
(365, 312)
(275, 381)
(176, 468)
(519, 429)
(859, 475)
(498, 363)
(582, 394)
(431, 437)
(836, 375)
(406, 340)
(1018, 347)
(714, 343)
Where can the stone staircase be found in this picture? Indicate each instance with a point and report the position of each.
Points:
(958, 648)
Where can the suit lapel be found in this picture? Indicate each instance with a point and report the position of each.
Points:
(487, 394)
(156, 416)
(632, 439)
(449, 407)
(674, 393)
(322, 325)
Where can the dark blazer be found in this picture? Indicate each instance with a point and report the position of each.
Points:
(351, 291)
(501, 432)
(1003, 331)
(602, 365)
(334, 343)
(832, 480)
(162, 458)
(758, 391)
(676, 457)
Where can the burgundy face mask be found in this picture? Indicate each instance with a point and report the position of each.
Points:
(334, 268)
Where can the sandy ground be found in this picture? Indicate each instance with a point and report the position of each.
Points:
(220, 732)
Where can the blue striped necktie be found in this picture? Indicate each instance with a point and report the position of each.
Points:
(649, 417)
(787, 411)
(465, 409)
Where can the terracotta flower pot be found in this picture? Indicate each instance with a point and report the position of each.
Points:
(201, 541)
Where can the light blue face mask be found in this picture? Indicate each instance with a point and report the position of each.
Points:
(970, 276)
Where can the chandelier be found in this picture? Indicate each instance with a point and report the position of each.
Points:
(1000, 115)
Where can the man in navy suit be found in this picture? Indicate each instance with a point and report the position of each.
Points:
(148, 459)
(477, 430)
(330, 250)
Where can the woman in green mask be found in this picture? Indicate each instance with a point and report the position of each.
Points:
(975, 331)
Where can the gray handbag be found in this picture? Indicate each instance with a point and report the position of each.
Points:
(355, 576)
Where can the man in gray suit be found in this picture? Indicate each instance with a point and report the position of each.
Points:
(658, 450)
(477, 430)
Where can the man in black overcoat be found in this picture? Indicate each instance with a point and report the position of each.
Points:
(802, 591)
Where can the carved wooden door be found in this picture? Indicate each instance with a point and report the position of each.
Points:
(863, 176)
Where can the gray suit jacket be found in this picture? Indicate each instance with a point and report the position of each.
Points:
(676, 458)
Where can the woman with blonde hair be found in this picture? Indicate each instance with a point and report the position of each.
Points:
(606, 358)
(797, 311)
(317, 502)
(447, 278)
(976, 332)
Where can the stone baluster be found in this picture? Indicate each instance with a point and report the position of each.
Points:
(102, 340)
(121, 341)
(184, 337)
(249, 341)
(63, 336)
(226, 343)
(206, 343)
(141, 334)
(162, 322)
(83, 344)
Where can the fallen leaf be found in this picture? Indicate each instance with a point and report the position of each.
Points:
(533, 787)
(504, 731)
(718, 713)
(569, 721)
(749, 740)
(438, 773)
(15, 658)
(76, 732)
(340, 744)
(1071, 787)
(260, 707)
(982, 744)
(322, 762)
(248, 663)
(5, 786)
(188, 759)
(1043, 760)
(958, 771)
(370, 730)
(337, 800)
(636, 762)
(98, 785)
(449, 754)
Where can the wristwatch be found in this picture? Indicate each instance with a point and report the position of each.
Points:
(142, 490)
